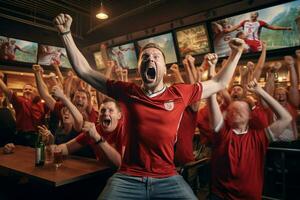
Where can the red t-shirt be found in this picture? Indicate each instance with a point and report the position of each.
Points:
(238, 163)
(184, 145)
(151, 125)
(259, 117)
(28, 114)
(114, 138)
(93, 115)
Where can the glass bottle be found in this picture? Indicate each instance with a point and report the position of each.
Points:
(39, 152)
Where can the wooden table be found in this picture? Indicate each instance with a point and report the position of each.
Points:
(73, 169)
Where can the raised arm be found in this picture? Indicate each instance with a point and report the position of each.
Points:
(78, 119)
(293, 91)
(188, 71)
(261, 62)
(3, 86)
(42, 87)
(283, 116)
(273, 27)
(215, 114)
(176, 73)
(244, 73)
(111, 153)
(58, 73)
(191, 62)
(79, 63)
(232, 28)
(270, 83)
(224, 76)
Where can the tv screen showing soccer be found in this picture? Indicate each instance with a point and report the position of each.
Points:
(124, 55)
(12, 49)
(277, 26)
(52, 55)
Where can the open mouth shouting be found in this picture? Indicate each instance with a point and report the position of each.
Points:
(150, 74)
(106, 122)
(80, 106)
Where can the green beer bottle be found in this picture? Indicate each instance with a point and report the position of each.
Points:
(39, 152)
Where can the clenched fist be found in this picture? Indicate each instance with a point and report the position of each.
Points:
(237, 44)
(63, 22)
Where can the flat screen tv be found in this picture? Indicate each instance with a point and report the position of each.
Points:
(278, 26)
(165, 42)
(123, 55)
(192, 40)
(12, 49)
(49, 55)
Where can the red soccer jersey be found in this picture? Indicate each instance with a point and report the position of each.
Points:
(184, 145)
(114, 138)
(150, 125)
(259, 117)
(238, 163)
(28, 114)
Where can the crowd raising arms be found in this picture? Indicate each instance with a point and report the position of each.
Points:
(152, 68)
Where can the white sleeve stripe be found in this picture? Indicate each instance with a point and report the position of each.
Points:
(270, 133)
(219, 126)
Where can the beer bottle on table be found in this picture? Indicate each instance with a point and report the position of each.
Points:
(39, 152)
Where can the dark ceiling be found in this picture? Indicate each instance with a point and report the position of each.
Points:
(126, 16)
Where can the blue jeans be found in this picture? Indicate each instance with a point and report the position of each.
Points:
(121, 186)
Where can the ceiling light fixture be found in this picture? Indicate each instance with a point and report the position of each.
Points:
(102, 14)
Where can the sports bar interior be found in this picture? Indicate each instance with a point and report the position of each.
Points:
(111, 35)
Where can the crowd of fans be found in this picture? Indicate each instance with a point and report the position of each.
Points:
(80, 120)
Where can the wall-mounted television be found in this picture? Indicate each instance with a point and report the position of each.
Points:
(193, 40)
(99, 60)
(165, 42)
(49, 55)
(124, 55)
(270, 25)
(12, 49)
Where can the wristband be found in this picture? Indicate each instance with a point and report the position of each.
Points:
(101, 140)
(65, 33)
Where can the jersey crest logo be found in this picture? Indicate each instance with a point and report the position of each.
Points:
(169, 105)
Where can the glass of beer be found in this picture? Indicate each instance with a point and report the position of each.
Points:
(49, 149)
(57, 157)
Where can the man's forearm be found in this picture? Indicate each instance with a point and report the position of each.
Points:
(78, 118)
(280, 111)
(260, 64)
(111, 153)
(4, 88)
(43, 90)
(82, 67)
(293, 92)
(215, 114)
(226, 73)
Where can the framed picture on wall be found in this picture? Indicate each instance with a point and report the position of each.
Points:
(12, 49)
(165, 42)
(124, 55)
(278, 26)
(193, 40)
(49, 55)
(99, 60)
